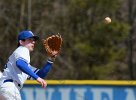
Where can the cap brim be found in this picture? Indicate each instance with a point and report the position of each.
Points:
(35, 38)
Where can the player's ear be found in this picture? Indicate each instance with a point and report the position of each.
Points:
(21, 42)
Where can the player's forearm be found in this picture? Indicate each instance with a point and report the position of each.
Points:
(44, 71)
(23, 66)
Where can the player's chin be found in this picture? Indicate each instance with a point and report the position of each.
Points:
(32, 49)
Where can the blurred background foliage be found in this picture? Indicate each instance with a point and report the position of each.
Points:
(91, 49)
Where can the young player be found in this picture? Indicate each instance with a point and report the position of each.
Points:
(18, 68)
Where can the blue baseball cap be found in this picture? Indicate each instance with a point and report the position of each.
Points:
(27, 34)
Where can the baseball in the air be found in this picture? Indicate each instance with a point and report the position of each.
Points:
(107, 20)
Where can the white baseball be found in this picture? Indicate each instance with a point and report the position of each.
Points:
(107, 20)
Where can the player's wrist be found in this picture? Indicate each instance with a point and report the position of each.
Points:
(51, 59)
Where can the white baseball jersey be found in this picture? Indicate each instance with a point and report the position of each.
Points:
(0, 74)
(12, 71)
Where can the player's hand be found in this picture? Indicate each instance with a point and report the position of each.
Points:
(42, 82)
(52, 58)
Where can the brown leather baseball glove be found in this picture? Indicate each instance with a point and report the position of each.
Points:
(52, 45)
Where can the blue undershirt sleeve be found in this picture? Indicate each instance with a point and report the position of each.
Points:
(44, 71)
(23, 66)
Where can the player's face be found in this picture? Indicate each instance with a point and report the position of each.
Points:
(29, 43)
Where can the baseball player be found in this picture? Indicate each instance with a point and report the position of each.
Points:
(18, 68)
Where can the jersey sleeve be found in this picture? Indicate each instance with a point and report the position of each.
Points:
(43, 71)
(23, 66)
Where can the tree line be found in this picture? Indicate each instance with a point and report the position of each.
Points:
(91, 49)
